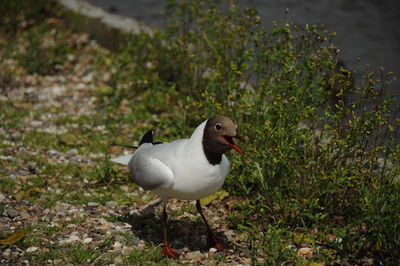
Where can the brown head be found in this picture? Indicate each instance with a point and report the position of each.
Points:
(218, 136)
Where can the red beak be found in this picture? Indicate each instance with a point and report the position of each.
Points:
(230, 141)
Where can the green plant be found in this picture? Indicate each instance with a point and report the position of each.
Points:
(140, 257)
(44, 50)
(320, 144)
(82, 254)
(22, 14)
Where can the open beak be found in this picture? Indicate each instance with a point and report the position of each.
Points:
(229, 140)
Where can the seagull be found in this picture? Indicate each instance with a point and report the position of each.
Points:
(188, 169)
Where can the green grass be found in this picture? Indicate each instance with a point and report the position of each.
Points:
(11, 115)
(53, 253)
(152, 255)
(82, 254)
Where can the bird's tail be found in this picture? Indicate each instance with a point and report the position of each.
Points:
(124, 160)
(147, 138)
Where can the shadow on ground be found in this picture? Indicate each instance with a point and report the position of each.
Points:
(182, 232)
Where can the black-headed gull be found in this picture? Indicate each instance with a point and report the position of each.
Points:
(188, 169)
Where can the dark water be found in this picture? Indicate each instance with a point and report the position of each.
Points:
(368, 30)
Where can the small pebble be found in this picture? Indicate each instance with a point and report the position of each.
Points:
(32, 167)
(12, 175)
(31, 249)
(11, 213)
(35, 123)
(141, 245)
(111, 204)
(308, 252)
(7, 252)
(134, 213)
(52, 153)
(195, 256)
(24, 214)
(118, 260)
(25, 202)
(72, 226)
(72, 238)
(87, 240)
(117, 245)
(127, 225)
(213, 250)
(61, 212)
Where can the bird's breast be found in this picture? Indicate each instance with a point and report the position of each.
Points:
(197, 179)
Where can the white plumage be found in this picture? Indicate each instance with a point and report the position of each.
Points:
(177, 169)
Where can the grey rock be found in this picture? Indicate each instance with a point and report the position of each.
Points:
(52, 153)
(72, 226)
(32, 167)
(193, 255)
(61, 212)
(24, 214)
(7, 252)
(36, 123)
(71, 239)
(32, 249)
(26, 202)
(111, 204)
(92, 204)
(12, 175)
(11, 213)
(87, 240)
(15, 136)
(72, 153)
(117, 260)
(213, 250)
(117, 245)
(119, 238)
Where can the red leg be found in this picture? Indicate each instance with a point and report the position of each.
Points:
(167, 251)
(212, 239)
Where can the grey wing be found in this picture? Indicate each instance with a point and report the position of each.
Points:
(150, 173)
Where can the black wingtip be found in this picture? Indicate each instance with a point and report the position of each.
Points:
(113, 144)
(147, 138)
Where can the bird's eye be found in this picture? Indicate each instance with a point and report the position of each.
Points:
(218, 126)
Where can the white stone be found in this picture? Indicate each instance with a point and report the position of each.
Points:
(31, 249)
(111, 204)
(92, 204)
(127, 225)
(52, 152)
(72, 238)
(7, 252)
(118, 260)
(36, 123)
(117, 245)
(2, 196)
(87, 240)
(213, 250)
